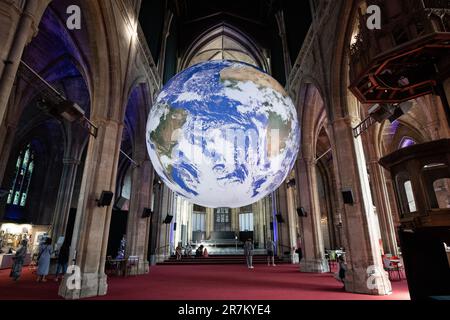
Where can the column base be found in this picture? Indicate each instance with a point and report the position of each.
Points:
(373, 281)
(143, 268)
(88, 285)
(314, 266)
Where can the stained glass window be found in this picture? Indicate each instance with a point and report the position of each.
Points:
(22, 177)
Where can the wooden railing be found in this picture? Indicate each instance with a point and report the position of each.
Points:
(418, 20)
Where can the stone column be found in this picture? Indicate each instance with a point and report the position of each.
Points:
(156, 222)
(138, 228)
(91, 230)
(313, 247)
(18, 23)
(168, 17)
(363, 253)
(163, 246)
(261, 233)
(190, 208)
(75, 143)
(292, 218)
(283, 227)
(258, 214)
(383, 206)
(279, 16)
(64, 198)
(234, 221)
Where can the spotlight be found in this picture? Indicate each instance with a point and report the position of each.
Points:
(66, 109)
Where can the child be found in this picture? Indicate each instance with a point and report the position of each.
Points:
(178, 252)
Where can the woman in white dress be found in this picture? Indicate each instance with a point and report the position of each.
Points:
(45, 254)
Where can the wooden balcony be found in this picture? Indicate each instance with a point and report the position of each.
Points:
(407, 58)
(421, 175)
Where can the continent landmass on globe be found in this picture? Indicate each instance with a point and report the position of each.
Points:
(244, 73)
(164, 137)
(277, 124)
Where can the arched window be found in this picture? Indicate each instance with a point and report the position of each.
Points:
(224, 43)
(22, 177)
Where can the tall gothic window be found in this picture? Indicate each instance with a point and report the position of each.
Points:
(22, 177)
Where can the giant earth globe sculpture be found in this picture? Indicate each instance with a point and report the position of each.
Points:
(223, 134)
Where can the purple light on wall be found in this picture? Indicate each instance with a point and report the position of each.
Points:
(393, 127)
(407, 142)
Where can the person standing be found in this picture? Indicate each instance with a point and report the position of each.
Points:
(45, 254)
(342, 269)
(63, 259)
(188, 250)
(299, 248)
(248, 253)
(178, 252)
(270, 245)
(19, 259)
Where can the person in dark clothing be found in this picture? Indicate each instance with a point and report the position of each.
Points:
(298, 250)
(248, 253)
(63, 258)
(19, 260)
(199, 251)
(342, 269)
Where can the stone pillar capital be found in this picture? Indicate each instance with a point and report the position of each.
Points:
(347, 120)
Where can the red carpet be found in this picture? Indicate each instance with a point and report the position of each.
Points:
(231, 282)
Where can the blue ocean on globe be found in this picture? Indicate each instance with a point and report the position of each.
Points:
(223, 134)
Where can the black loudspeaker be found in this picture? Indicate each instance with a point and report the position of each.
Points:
(347, 195)
(147, 213)
(121, 203)
(279, 218)
(105, 199)
(301, 212)
(175, 226)
(168, 219)
(271, 226)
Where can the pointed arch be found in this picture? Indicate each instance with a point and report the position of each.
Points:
(224, 42)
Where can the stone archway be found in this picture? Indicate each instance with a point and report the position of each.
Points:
(359, 224)
(311, 111)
